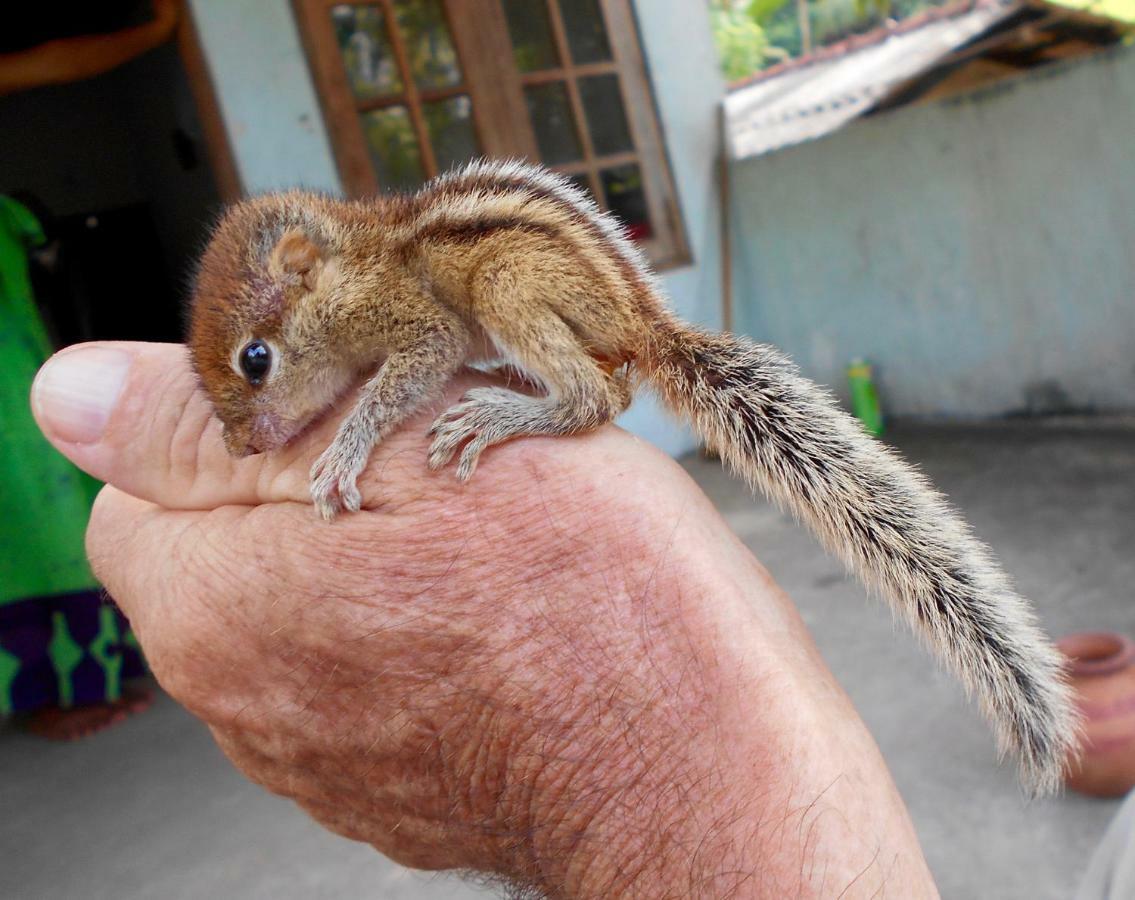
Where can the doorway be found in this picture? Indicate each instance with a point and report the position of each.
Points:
(120, 170)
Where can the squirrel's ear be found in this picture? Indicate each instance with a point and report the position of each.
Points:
(296, 254)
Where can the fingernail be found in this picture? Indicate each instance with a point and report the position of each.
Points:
(76, 391)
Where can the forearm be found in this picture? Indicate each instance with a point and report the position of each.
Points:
(720, 758)
(74, 59)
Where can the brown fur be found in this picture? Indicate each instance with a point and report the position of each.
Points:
(508, 261)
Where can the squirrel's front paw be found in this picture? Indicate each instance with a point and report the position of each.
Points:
(334, 485)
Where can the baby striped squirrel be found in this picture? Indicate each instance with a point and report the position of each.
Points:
(298, 296)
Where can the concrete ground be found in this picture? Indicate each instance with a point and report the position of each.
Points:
(151, 809)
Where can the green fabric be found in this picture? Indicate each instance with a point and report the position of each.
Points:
(44, 500)
(104, 650)
(9, 668)
(66, 653)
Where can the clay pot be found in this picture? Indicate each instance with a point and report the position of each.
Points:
(1102, 673)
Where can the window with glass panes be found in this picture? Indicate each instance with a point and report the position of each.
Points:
(410, 88)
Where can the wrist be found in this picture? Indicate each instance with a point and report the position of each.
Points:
(641, 780)
(647, 818)
(165, 18)
(710, 753)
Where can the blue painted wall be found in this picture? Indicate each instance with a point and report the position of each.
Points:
(980, 250)
(270, 109)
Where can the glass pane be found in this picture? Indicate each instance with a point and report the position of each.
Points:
(582, 181)
(586, 34)
(550, 112)
(393, 147)
(365, 47)
(532, 45)
(450, 125)
(626, 198)
(429, 50)
(603, 106)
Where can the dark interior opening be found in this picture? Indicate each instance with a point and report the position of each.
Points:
(115, 167)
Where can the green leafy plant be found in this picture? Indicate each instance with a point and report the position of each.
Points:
(742, 44)
(752, 34)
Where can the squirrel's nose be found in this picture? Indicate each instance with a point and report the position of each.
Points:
(237, 447)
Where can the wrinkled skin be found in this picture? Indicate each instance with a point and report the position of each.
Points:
(567, 673)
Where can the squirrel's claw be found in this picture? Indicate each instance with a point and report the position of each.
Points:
(334, 484)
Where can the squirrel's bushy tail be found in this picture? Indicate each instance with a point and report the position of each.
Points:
(787, 436)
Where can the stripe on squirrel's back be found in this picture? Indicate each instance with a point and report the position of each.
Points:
(538, 183)
(472, 230)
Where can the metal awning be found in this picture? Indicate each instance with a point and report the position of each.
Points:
(808, 98)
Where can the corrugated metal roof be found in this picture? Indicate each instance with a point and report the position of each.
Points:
(800, 102)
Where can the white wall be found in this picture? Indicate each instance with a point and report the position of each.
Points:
(682, 62)
(267, 99)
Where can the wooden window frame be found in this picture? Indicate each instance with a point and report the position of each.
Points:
(480, 35)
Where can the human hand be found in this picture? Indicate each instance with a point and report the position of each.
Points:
(567, 673)
(166, 15)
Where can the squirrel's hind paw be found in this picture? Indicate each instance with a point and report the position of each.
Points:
(485, 416)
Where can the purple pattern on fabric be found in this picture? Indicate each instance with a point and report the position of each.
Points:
(26, 631)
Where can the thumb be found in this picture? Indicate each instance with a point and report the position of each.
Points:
(132, 415)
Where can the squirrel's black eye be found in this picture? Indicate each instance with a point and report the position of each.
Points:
(255, 361)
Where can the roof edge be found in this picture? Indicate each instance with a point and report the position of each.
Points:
(868, 39)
